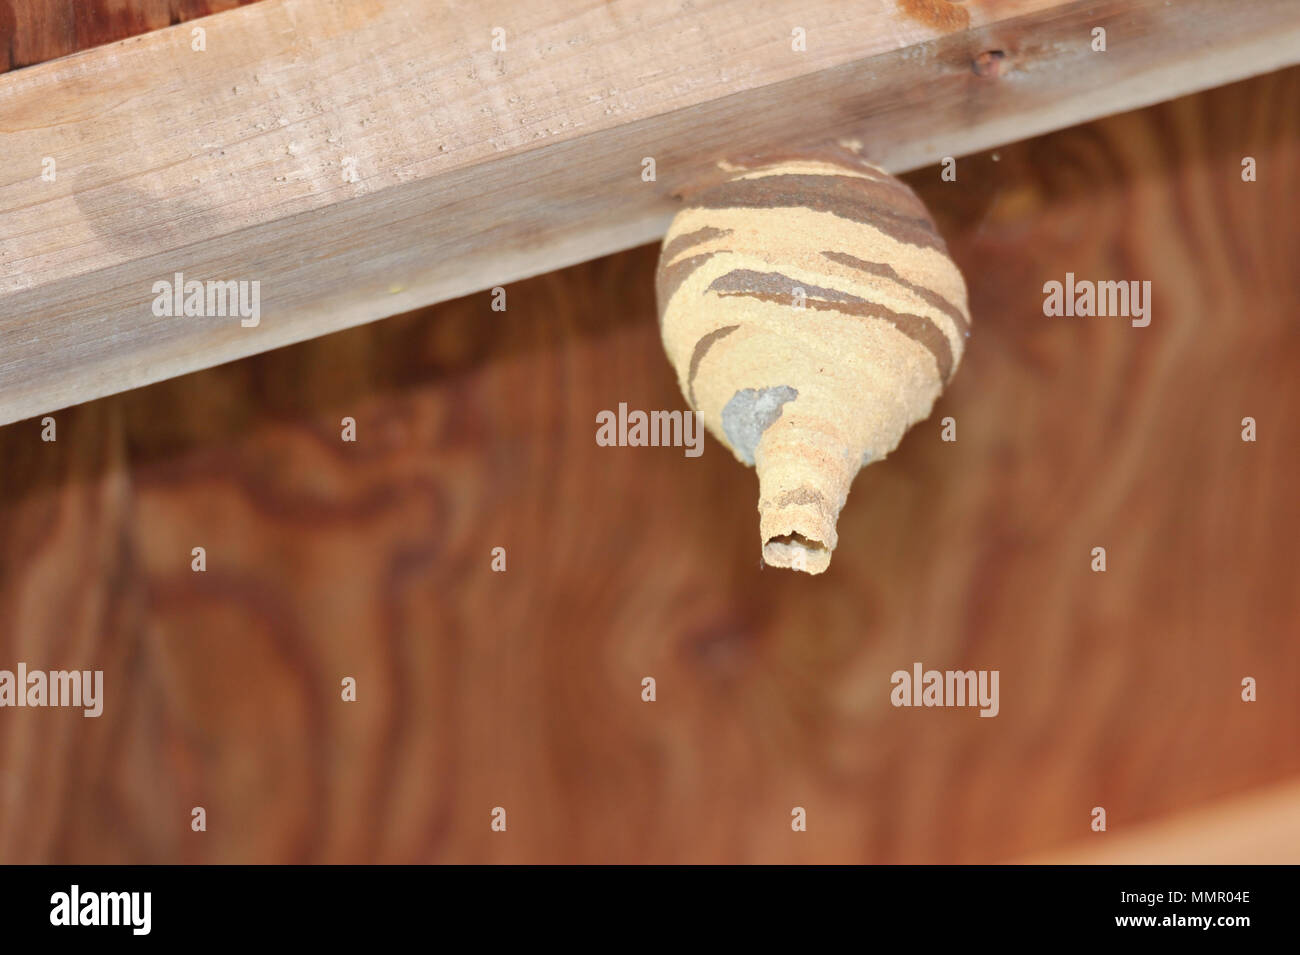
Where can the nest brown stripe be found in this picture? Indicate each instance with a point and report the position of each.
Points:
(739, 281)
(801, 495)
(885, 270)
(887, 206)
(779, 289)
(670, 278)
(701, 349)
(686, 240)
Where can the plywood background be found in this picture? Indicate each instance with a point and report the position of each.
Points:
(33, 31)
(522, 689)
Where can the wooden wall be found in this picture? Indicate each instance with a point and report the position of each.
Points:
(523, 689)
(33, 31)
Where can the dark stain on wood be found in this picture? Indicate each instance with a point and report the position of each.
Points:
(936, 14)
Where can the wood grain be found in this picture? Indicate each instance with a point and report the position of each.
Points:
(522, 689)
(474, 167)
(34, 31)
(1261, 828)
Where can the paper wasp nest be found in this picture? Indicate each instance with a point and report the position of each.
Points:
(813, 315)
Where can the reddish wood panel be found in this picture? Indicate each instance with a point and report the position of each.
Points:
(522, 689)
(33, 31)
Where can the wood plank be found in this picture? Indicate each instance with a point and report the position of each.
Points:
(522, 689)
(34, 31)
(475, 168)
(1261, 828)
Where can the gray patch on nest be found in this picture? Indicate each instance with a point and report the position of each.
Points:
(749, 413)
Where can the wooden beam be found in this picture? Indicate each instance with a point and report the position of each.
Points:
(1260, 828)
(364, 158)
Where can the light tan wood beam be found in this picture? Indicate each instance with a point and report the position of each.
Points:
(1261, 828)
(366, 157)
